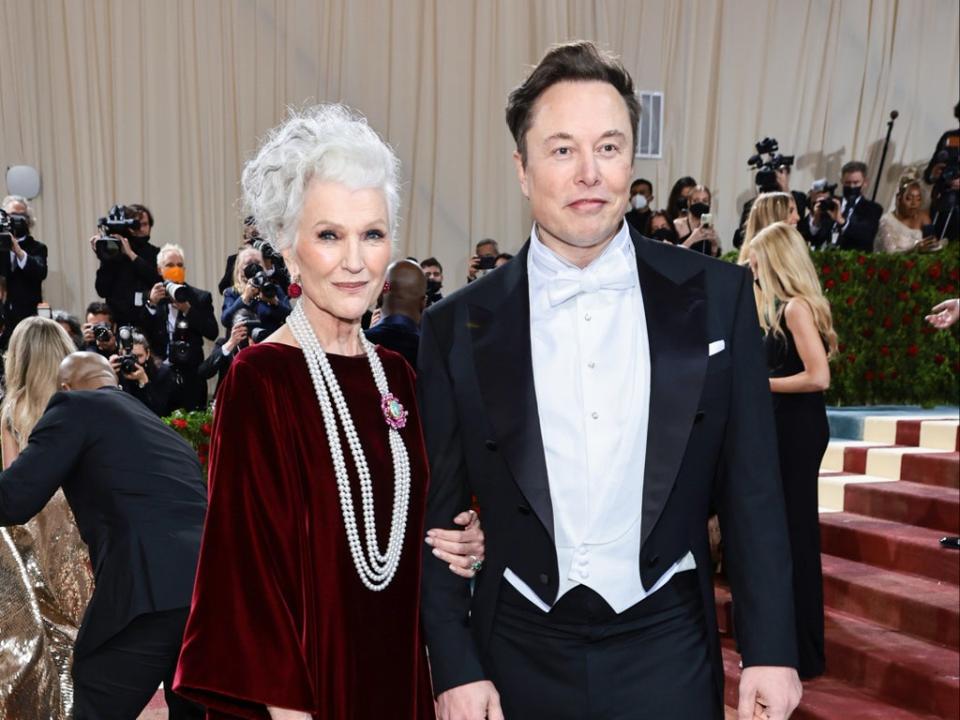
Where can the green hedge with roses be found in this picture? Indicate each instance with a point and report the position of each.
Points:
(888, 353)
(195, 427)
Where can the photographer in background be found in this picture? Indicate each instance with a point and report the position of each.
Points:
(695, 227)
(23, 262)
(641, 205)
(99, 332)
(858, 218)
(818, 226)
(246, 330)
(176, 319)
(273, 264)
(433, 271)
(773, 175)
(943, 172)
(128, 262)
(140, 374)
(71, 325)
(253, 290)
(484, 259)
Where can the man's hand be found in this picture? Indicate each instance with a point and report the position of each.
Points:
(183, 307)
(473, 701)
(250, 292)
(945, 314)
(125, 247)
(15, 246)
(87, 331)
(93, 244)
(158, 293)
(237, 335)
(768, 692)
(459, 548)
(473, 267)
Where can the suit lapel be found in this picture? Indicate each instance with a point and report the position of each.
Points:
(500, 331)
(675, 311)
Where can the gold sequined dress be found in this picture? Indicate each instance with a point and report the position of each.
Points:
(45, 584)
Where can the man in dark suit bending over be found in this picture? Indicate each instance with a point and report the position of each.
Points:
(136, 491)
(595, 394)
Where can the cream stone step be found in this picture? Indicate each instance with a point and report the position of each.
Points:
(939, 434)
(833, 458)
(830, 489)
(886, 462)
(882, 429)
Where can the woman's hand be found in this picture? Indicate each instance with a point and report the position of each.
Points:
(461, 549)
(702, 234)
(250, 292)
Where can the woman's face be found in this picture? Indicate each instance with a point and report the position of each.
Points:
(698, 196)
(342, 249)
(659, 222)
(248, 257)
(911, 200)
(793, 217)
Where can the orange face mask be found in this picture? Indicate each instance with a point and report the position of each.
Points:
(174, 274)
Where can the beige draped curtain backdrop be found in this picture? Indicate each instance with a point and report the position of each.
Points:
(161, 101)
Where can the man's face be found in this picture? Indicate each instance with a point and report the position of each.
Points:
(853, 179)
(141, 354)
(579, 162)
(783, 179)
(97, 318)
(643, 189)
(172, 267)
(144, 229)
(432, 272)
(486, 250)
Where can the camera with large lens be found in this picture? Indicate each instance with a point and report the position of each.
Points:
(122, 221)
(255, 330)
(12, 225)
(176, 292)
(766, 178)
(267, 250)
(128, 361)
(255, 273)
(180, 351)
(102, 332)
(829, 203)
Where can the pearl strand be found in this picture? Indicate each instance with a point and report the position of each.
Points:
(376, 569)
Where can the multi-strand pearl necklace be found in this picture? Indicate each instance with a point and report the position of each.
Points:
(375, 569)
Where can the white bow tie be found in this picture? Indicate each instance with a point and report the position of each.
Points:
(569, 283)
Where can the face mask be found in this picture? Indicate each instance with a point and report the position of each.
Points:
(663, 235)
(699, 209)
(850, 192)
(23, 221)
(174, 274)
(639, 201)
(433, 287)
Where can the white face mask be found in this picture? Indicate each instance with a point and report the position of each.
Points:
(639, 201)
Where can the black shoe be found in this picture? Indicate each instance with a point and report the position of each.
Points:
(950, 542)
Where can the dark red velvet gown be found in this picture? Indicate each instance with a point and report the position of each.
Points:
(279, 615)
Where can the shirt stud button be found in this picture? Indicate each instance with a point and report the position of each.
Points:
(595, 415)
(587, 317)
(591, 365)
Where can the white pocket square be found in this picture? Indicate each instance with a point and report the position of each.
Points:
(715, 347)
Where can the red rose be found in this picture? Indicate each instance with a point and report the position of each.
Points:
(955, 274)
(850, 301)
(206, 429)
(909, 264)
(913, 350)
(867, 332)
(888, 322)
(830, 284)
(884, 275)
(914, 286)
(826, 270)
(938, 359)
(845, 276)
(179, 423)
(884, 350)
(871, 271)
(949, 288)
(851, 358)
(935, 271)
(906, 319)
(868, 376)
(861, 259)
(881, 376)
(902, 295)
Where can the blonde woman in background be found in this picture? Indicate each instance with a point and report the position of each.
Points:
(767, 209)
(901, 229)
(799, 339)
(44, 566)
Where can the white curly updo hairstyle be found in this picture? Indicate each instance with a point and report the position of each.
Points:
(328, 143)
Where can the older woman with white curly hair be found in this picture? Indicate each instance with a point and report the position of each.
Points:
(306, 600)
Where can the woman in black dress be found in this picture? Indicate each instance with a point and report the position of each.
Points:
(799, 339)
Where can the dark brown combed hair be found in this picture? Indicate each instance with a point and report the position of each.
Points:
(577, 61)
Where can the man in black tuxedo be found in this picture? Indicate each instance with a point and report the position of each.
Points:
(857, 217)
(136, 491)
(596, 395)
(24, 265)
(404, 298)
(176, 327)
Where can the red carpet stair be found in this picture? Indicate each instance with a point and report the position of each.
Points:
(892, 593)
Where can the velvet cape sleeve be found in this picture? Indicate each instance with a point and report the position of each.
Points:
(243, 647)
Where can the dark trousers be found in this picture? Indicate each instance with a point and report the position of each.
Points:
(582, 661)
(117, 680)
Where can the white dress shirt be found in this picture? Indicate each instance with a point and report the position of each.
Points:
(591, 370)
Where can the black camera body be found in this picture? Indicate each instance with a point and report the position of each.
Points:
(255, 330)
(258, 276)
(128, 361)
(12, 225)
(102, 332)
(266, 248)
(766, 178)
(121, 221)
(180, 351)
